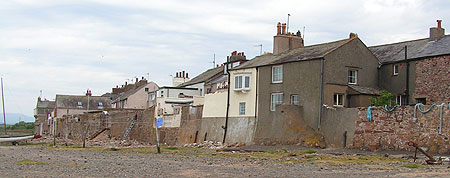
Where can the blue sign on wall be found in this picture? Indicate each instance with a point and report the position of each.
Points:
(159, 122)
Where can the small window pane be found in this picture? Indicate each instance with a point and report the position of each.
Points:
(276, 98)
(241, 108)
(247, 82)
(294, 100)
(352, 74)
(396, 69)
(236, 82)
(277, 73)
(80, 103)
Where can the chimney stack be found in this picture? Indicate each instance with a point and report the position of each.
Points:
(88, 92)
(353, 35)
(437, 32)
(285, 41)
(184, 74)
(279, 28)
(283, 27)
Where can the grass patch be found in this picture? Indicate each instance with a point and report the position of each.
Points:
(31, 162)
(309, 152)
(170, 148)
(23, 143)
(414, 166)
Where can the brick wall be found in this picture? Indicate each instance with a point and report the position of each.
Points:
(392, 131)
(433, 79)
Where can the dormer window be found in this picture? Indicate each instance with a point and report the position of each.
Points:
(100, 104)
(79, 104)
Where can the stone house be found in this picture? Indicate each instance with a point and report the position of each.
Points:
(135, 98)
(78, 104)
(42, 113)
(417, 71)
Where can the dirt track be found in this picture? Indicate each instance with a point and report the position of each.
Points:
(45, 161)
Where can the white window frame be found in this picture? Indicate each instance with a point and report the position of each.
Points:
(79, 103)
(100, 104)
(336, 101)
(293, 102)
(351, 77)
(240, 80)
(280, 75)
(242, 108)
(398, 99)
(395, 71)
(273, 104)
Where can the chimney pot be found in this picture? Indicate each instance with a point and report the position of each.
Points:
(279, 28)
(353, 35)
(184, 74)
(439, 23)
(283, 29)
(187, 75)
(233, 53)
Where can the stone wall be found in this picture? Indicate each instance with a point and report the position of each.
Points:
(190, 125)
(392, 130)
(432, 79)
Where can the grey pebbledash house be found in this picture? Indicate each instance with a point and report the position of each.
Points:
(341, 74)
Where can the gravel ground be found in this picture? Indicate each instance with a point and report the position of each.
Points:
(47, 161)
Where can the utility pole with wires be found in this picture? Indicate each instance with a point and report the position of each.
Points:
(260, 48)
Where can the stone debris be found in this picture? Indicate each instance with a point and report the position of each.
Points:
(206, 144)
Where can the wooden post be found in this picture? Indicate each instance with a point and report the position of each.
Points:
(54, 131)
(415, 155)
(157, 137)
(3, 104)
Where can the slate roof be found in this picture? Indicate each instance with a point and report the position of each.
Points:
(203, 77)
(420, 48)
(365, 90)
(45, 104)
(299, 54)
(71, 102)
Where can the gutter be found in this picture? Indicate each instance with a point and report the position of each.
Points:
(321, 93)
(228, 102)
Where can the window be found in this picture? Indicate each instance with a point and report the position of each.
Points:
(79, 103)
(398, 99)
(276, 98)
(395, 69)
(421, 100)
(100, 104)
(277, 74)
(201, 92)
(162, 93)
(153, 96)
(146, 89)
(294, 100)
(338, 99)
(242, 82)
(352, 76)
(242, 108)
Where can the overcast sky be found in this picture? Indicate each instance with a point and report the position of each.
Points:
(66, 47)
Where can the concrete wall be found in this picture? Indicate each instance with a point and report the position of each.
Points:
(190, 125)
(287, 126)
(392, 131)
(338, 126)
(433, 79)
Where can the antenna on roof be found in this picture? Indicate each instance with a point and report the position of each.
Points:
(214, 61)
(303, 32)
(260, 49)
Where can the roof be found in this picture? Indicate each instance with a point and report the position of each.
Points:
(71, 102)
(180, 88)
(128, 93)
(299, 54)
(45, 104)
(203, 77)
(419, 48)
(365, 90)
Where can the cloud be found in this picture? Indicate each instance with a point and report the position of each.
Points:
(68, 46)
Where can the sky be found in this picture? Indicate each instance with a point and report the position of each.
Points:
(69, 46)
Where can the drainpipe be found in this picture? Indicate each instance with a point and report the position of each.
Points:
(228, 101)
(407, 76)
(321, 92)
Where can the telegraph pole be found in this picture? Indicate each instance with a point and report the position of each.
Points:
(3, 104)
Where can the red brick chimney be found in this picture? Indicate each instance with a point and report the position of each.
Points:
(283, 27)
(437, 32)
